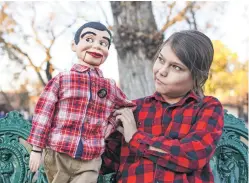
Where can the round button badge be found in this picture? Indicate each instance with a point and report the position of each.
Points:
(102, 93)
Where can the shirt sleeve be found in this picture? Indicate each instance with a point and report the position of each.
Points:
(120, 101)
(43, 114)
(193, 151)
(111, 155)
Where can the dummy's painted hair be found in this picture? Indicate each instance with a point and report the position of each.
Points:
(95, 25)
(195, 50)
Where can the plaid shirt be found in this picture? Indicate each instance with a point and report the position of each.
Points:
(71, 110)
(187, 131)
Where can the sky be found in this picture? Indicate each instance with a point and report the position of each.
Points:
(235, 27)
(232, 31)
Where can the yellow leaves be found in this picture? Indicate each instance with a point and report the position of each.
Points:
(228, 75)
(222, 57)
(7, 22)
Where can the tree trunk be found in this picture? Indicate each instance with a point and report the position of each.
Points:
(136, 39)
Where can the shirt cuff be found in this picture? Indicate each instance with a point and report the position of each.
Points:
(138, 142)
(113, 122)
(36, 143)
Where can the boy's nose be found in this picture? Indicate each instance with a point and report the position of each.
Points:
(163, 71)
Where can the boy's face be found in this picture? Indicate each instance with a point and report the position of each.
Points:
(92, 49)
(172, 78)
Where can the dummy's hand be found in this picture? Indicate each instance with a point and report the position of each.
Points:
(34, 161)
(126, 116)
(108, 130)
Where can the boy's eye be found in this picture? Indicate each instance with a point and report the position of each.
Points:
(160, 59)
(177, 68)
(103, 43)
(90, 40)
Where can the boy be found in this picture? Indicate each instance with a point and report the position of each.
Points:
(74, 112)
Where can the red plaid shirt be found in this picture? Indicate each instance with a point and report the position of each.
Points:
(187, 131)
(70, 109)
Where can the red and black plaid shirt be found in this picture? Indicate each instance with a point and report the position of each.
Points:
(71, 112)
(187, 131)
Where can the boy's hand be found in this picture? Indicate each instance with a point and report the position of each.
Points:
(126, 116)
(34, 161)
(108, 130)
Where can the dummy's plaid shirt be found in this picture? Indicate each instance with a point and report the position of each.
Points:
(187, 131)
(69, 110)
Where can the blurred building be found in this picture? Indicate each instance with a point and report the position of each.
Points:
(237, 106)
(14, 101)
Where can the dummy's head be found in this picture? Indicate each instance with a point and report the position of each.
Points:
(91, 44)
(95, 25)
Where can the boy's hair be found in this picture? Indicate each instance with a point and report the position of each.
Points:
(196, 51)
(95, 25)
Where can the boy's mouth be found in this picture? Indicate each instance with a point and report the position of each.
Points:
(95, 54)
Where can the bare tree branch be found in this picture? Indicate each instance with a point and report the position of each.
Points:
(66, 28)
(34, 30)
(193, 17)
(18, 50)
(189, 22)
(179, 17)
(171, 6)
(50, 67)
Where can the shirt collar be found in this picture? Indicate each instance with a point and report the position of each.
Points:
(189, 95)
(82, 68)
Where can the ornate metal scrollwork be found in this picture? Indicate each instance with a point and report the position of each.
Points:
(14, 156)
(230, 161)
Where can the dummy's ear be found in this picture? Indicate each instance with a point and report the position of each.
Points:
(73, 46)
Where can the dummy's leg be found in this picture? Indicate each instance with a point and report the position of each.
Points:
(86, 171)
(57, 166)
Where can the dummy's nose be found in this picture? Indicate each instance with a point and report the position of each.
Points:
(96, 45)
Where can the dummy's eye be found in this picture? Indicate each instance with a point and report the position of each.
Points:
(103, 43)
(90, 40)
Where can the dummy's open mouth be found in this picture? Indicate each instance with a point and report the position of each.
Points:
(95, 55)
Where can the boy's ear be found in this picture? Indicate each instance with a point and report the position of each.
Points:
(73, 46)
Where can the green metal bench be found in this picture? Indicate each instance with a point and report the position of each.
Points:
(229, 163)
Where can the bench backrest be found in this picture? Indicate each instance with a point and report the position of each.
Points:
(229, 163)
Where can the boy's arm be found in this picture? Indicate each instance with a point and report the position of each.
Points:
(190, 153)
(43, 114)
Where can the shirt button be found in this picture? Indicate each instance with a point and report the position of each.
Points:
(93, 84)
(102, 93)
(139, 123)
(87, 120)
